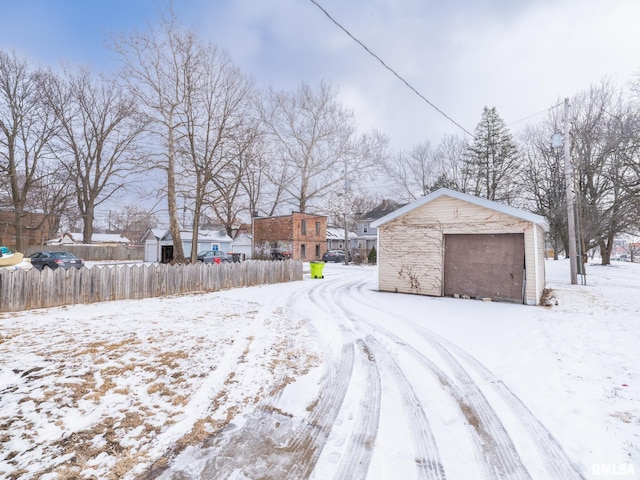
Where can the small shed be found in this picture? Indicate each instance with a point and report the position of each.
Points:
(158, 244)
(242, 245)
(450, 243)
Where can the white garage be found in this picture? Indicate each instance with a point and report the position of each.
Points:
(454, 244)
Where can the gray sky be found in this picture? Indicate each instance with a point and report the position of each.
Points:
(521, 56)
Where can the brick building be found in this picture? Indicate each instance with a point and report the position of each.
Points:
(38, 227)
(300, 236)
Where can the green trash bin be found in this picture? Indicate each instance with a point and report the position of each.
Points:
(316, 269)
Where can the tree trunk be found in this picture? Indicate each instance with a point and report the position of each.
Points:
(605, 253)
(174, 224)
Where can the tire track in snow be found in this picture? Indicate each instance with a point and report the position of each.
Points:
(496, 454)
(271, 445)
(555, 460)
(357, 456)
(553, 455)
(309, 440)
(427, 458)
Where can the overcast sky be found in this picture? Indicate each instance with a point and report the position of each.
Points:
(520, 56)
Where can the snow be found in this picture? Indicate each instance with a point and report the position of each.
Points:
(364, 383)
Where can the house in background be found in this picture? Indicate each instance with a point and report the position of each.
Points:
(158, 244)
(74, 238)
(38, 227)
(300, 236)
(366, 234)
(335, 239)
(449, 243)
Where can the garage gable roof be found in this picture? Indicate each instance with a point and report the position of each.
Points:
(483, 202)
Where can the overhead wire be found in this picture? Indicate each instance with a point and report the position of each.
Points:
(396, 74)
(536, 114)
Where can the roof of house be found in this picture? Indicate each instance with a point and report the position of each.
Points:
(95, 238)
(203, 235)
(385, 208)
(482, 202)
(337, 233)
(158, 233)
(243, 239)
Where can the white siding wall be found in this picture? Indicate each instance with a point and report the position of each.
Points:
(410, 248)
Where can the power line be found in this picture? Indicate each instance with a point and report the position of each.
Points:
(536, 114)
(390, 69)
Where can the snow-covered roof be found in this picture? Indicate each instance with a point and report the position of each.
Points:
(206, 235)
(97, 238)
(336, 233)
(158, 233)
(482, 202)
(242, 239)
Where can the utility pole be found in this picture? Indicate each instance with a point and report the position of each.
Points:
(346, 229)
(571, 219)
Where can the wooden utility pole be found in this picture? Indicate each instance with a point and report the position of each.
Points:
(571, 219)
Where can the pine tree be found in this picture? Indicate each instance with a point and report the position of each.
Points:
(492, 159)
(372, 258)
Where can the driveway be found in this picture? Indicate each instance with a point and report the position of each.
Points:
(386, 397)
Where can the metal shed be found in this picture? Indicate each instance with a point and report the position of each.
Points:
(450, 243)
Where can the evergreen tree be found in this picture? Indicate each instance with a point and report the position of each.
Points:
(372, 258)
(492, 159)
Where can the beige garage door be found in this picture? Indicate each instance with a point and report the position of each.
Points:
(485, 266)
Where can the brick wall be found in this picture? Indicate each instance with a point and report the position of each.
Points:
(38, 228)
(287, 232)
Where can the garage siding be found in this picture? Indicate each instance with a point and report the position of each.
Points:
(410, 247)
(535, 256)
(410, 259)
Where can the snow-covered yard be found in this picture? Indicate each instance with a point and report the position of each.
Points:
(327, 378)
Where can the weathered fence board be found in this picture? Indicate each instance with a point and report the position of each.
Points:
(95, 252)
(20, 290)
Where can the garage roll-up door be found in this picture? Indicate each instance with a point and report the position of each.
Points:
(484, 266)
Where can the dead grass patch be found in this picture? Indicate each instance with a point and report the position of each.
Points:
(159, 388)
(169, 359)
(17, 474)
(95, 348)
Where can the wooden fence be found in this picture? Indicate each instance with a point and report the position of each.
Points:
(25, 290)
(95, 252)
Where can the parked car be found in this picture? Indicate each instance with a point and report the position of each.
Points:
(54, 260)
(333, 256)
(215, 256)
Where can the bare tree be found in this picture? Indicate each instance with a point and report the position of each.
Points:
(425, 168)
(27, 126)
(99, 130)
(606, 148)
(543, 180)
(262, 196)
(132, 222)
(450, 156)
(413, 173)
(216, 117)
(234, 197)
(314, 143)
(155, 65)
